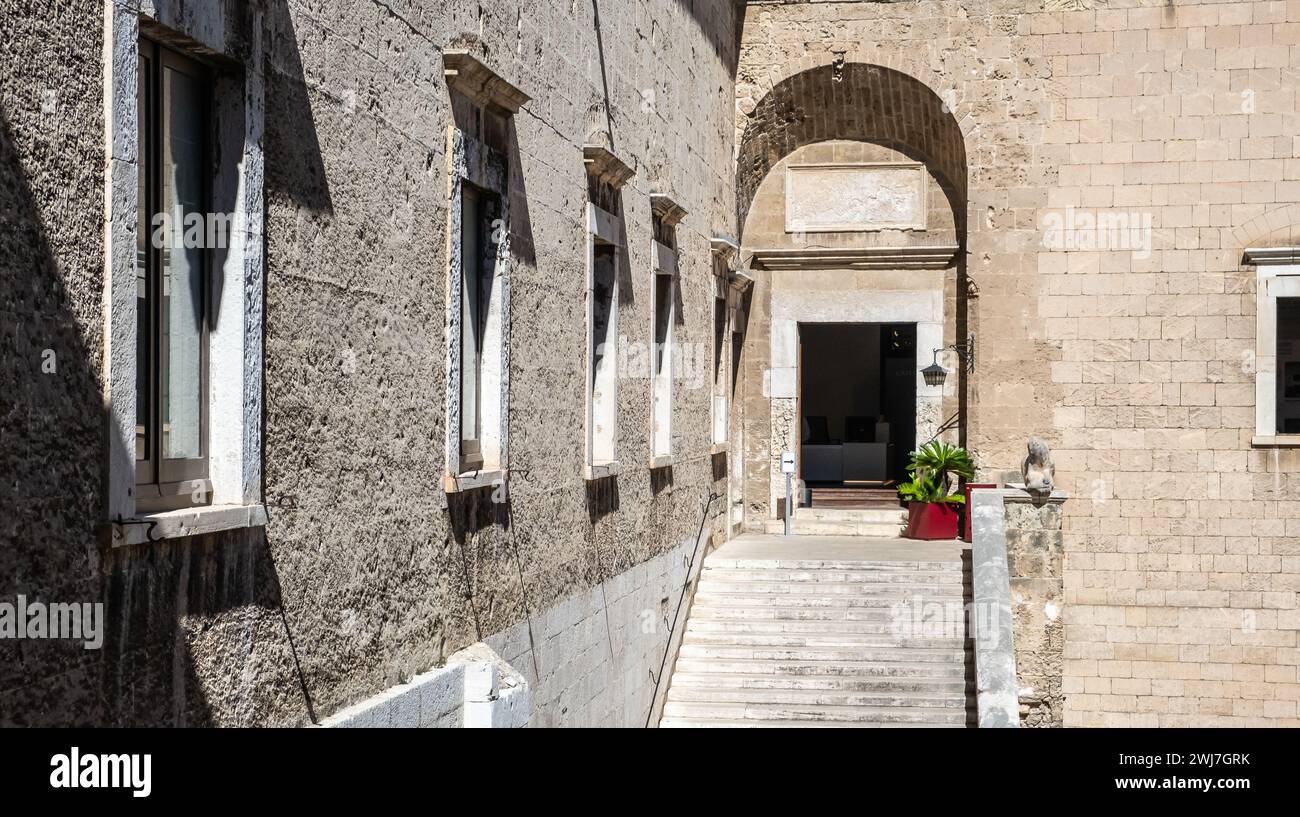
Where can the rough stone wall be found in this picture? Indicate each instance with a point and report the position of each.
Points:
(365, 575)
(1035, 569)
(1181, 568)
(53, 455)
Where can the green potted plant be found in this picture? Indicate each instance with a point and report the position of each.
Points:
(930, 501)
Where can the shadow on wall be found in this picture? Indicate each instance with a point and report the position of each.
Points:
(165, 602)
(52, 427)
(294, 167)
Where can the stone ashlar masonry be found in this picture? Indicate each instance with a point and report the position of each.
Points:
(367, 574)
(1181, 560)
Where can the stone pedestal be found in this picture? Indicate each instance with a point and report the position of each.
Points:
(1034, 566)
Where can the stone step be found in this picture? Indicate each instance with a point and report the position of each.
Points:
(814, 527)
(881, 655)
(789, 712)
(883, 628)
(816, 697)
(881, 616)
(853, 514)
(829, 564)
(720, 680)
(952, 575)
(904, 600)
(908, 589)
(817, 639)
(859, 669)
(735, 723)
(889, 516)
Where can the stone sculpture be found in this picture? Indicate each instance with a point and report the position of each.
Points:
(1037, 469)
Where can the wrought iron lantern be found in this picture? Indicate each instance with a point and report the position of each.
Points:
(935, 374)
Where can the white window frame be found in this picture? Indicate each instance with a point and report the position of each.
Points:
(1277, 275)
(661, 361)
(234, 399)
(720, 360)
(601, 455)
(667, 214)
(726, 288)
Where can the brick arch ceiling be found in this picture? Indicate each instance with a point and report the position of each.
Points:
(855, 101)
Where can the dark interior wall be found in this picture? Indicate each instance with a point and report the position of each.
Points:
(841, 372)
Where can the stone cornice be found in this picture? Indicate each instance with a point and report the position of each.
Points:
(467, 74)
(602, 163)
(723, 245)
(668, 210)
(908, 257)
(1263, 256)
(740, 280)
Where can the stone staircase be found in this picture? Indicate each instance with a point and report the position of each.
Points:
(814, 521)
(800, 642)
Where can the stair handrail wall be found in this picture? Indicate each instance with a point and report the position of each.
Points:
(996, 691)
(684, 600)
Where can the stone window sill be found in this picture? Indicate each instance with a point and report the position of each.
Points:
(475, 479)
(155, 527)
(1276, 441)
(664, 461)
(719, 448)
(600, 470)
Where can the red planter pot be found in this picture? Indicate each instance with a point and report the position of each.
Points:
(970, 486)
(931, 520)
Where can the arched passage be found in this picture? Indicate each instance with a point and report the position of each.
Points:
(876, 297)
(854, 101)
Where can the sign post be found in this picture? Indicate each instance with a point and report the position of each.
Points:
(787, 468)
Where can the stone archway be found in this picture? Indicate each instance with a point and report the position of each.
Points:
(855, 101)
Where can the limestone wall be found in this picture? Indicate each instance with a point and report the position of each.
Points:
(1134, 355)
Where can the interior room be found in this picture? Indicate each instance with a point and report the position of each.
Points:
(857, 401)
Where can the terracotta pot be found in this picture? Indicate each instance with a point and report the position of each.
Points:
(970, 486)
(931, 520)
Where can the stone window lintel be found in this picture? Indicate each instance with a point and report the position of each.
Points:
(666, 208)
(467, 74)
(606, 166)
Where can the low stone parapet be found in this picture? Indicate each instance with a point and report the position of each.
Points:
(1017, 558)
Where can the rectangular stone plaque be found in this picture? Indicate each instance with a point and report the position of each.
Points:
(822, 198)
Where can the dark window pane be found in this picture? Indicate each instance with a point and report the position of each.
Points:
(1288, 365)
(143, 301)
(471, 315)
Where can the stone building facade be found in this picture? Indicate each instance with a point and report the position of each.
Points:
(1110, 202)
(1114, 162)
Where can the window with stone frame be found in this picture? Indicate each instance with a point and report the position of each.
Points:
(719, 379)
(603, 353)
(184, 125)
(606, 174)
(1277, 344)
(664, 310)
(479, 148)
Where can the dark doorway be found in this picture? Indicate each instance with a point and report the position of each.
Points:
(857, 407)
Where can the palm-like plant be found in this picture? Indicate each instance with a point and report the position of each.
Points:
(932, 468)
